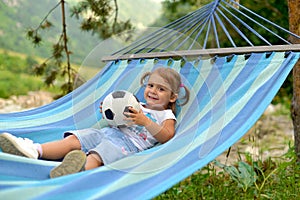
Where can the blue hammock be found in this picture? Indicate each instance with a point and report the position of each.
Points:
(228, 95)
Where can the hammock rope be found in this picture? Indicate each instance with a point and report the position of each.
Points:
(194, 30)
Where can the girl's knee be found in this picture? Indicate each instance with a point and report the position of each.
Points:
(73, 142)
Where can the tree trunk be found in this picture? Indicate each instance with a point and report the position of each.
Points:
(294, 23)
(66, 49)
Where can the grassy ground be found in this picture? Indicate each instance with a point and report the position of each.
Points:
(262, 165)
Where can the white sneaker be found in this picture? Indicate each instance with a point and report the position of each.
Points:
(18, 146)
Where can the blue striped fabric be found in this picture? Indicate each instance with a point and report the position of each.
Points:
(227, 97)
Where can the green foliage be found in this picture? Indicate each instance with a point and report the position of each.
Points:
(42, 25)
(15, 64)
(98, 17)
(16, 78)
(173, 10)
(243, 174)
(247, 180)
(103, 17)
(17, 84)
(20, 17)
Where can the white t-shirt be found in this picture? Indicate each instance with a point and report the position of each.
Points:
(139, 135)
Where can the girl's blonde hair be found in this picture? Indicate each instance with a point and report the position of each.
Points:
(173, 78)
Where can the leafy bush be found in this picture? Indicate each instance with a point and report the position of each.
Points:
(17, 84)
(14, 64)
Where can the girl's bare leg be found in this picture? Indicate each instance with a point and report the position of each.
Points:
(93, 160)
(58, 149)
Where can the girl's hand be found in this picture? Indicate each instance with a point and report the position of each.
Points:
(100, 106)
(162, 133)
(136, 117)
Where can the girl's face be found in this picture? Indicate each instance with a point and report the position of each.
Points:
(158, 96)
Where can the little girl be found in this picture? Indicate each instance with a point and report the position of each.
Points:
(90, 148)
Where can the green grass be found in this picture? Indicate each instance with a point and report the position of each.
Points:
(248, 176)
(249, 179)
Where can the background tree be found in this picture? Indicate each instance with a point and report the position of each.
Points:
(294, 21)
(98, 17)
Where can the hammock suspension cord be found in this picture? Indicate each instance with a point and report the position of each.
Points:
(200, 30)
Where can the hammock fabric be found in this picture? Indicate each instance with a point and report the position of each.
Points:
(228, 95)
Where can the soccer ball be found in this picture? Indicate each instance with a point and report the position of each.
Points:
(115, 104)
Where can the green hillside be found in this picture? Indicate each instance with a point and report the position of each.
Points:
(18, 15)
(18, 55)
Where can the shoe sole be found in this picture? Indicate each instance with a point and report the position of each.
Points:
(72, 163)
(8, 145)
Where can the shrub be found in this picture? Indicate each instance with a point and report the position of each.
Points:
(17, 84)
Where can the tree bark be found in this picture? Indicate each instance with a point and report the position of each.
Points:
(294, 26)
(65, 42)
